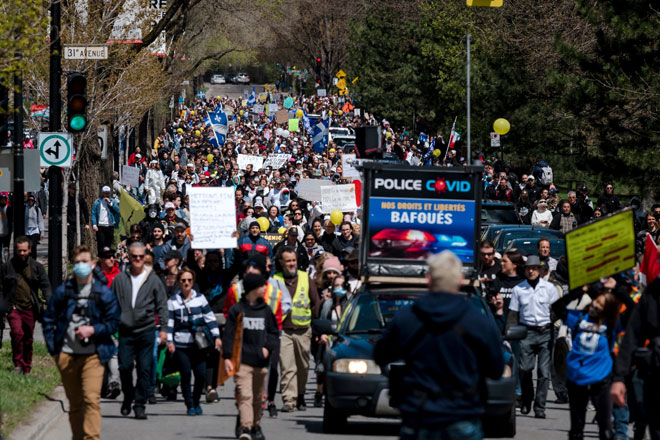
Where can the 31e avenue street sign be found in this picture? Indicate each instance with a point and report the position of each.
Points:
(85, 52)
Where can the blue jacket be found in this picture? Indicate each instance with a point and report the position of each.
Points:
(449, 348)
(103, 310)
(113, 212)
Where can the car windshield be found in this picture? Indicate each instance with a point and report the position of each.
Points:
(506, 236)
(372, 312)
(530, 246)
(498, 215)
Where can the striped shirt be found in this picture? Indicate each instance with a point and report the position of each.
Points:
(178, 328)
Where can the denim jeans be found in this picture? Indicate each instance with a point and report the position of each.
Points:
(620, 423)
(536, 344)
(136, 348)
(463, 430)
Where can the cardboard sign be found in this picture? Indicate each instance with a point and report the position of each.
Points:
(277, 160)
(600, 249)
(281, 117)
(294, 125)
(244, 160)
(212, 217)
(341, 197)
(130, 176)
(348, 162)
(311, 189)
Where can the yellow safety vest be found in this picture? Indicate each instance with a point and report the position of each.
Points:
(272, 296)
(301, 310)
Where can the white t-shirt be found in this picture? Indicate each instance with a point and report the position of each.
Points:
(136, 281)
(104, 219)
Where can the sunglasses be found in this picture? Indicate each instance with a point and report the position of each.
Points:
(488, 254)
(137, 256)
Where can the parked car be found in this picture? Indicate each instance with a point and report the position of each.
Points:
(356, 385)
(494, 212)
(506, 235)
(218, 79)
(242, 78)
(528, 246)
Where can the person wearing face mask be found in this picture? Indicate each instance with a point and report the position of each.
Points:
(78, 324)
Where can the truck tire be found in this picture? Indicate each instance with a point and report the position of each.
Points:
(334, 420)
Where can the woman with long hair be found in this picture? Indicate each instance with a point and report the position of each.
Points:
(590, 361)
(188, 310)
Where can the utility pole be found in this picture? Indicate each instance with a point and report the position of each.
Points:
(19, 181)
(55, 173)
(469, 149)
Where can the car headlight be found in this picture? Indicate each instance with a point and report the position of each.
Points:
(355, 366)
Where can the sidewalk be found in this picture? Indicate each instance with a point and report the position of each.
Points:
(45, 421)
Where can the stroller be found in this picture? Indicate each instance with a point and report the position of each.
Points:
(167, 376)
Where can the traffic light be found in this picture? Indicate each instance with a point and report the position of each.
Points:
(318, 66)
(76, 103)
(4, 116)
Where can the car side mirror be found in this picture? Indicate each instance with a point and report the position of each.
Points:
(515, 333)
(324, 327)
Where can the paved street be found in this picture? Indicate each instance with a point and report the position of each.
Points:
(167, 420)
(233, 91)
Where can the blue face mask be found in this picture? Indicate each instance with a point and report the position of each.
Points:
(339, 291)
(82, 270)
(206, 168)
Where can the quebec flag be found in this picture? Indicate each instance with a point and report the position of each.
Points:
(252, 99)
(320, 135)
(218, 121)
(306, 122)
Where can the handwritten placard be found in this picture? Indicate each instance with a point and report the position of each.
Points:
(277, 161)
(341, 197)
(130, 176)
(244, 160)
(310, 189)
(212, 217)
(348, 162)
(282, 117)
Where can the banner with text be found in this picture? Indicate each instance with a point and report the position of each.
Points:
(244, 160)
(341, 197)
(277, 160)
(130, 176)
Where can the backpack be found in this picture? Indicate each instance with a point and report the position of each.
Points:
(546, 175)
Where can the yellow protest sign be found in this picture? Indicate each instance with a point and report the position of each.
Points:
(600, 249)
(487, 3)
(293, 124)
(341, 84)
(341, 74)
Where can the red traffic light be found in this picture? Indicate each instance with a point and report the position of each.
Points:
(318, 60)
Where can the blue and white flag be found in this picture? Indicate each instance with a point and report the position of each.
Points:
(320, 135)
(306, 122)
(422, 138)
(252, 99)
(218, 122)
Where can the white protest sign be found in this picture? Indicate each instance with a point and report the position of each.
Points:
(212, 217)
(341, 197)
(348, 162)
(272, 109)
(310, 189)
(321, 92)
(258, 108)
(277, 160)
(244, 160)
(130, 176)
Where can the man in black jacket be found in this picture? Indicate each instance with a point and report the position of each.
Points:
(260, 338)
(643, 324)
(21, 279)
(141, 297)
(449, 348)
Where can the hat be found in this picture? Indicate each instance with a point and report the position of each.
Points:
(172, 255)
(258, 205)
(170, 205)
(543, 201)
(159, 226)
(106, 189)
(191, 165)
(339, 170)
(138, 156)
(552, 191)
(293, 231)
(106, 252)
(584, 188)
(531, 178)
(533, 260)
(254, 223)
(153, 161)
(180, 225)
(332, 263)
(253, 281)
(256, 259)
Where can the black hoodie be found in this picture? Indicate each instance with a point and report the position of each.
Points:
(259, 330)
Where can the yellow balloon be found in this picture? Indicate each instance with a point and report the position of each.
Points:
(437, 153)
(330, 113)
(264, 224)
(336, 217)
(282, 230)
(209, 158)
(241, 112)
(218, 98)
(192, 112)
(501, 126)
(197, 132)
(299, 113)
(388, 135)
(179, 130)
(340, 112)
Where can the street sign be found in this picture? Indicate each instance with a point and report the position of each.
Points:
(494, 139)
(341, 74)
(341, 84)
(56, 149)
(343, 92)
(85, 52)
(171, 101)
(487, 3)
(102, 137)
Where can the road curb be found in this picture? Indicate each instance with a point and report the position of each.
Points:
(43, 417)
